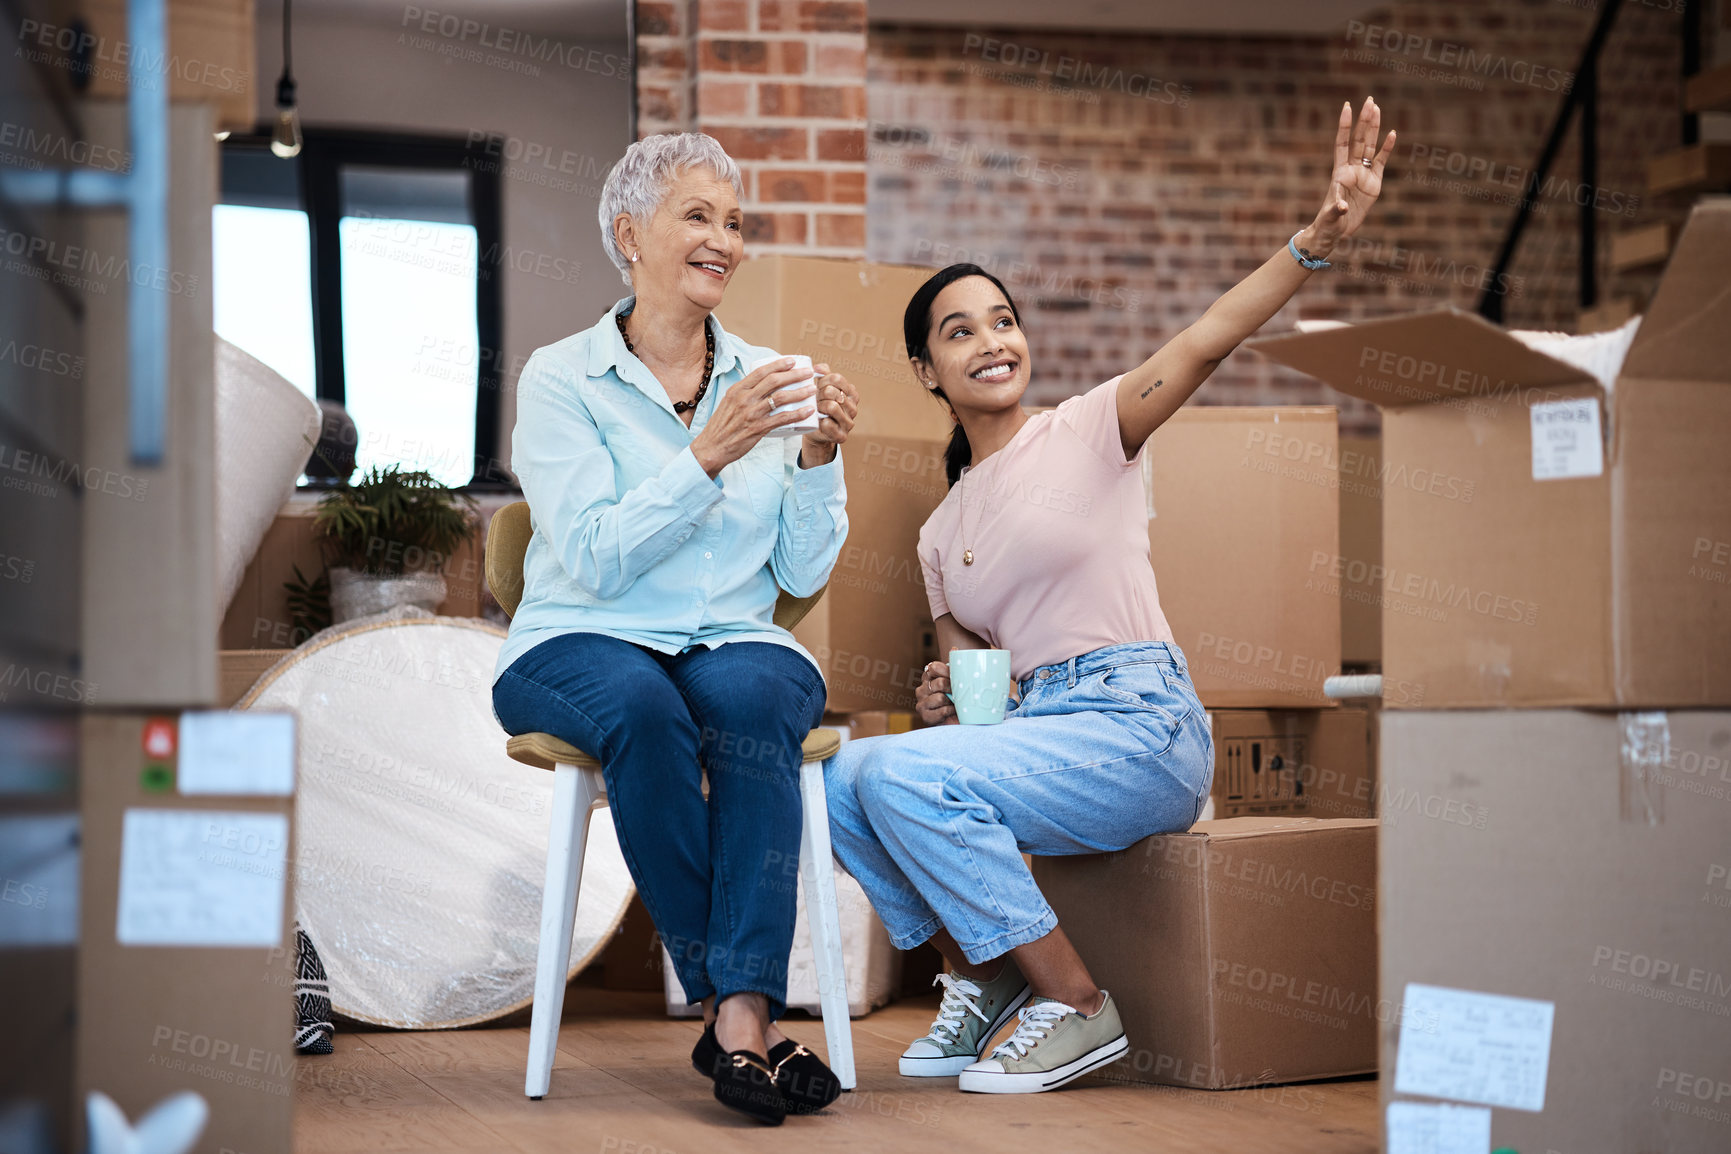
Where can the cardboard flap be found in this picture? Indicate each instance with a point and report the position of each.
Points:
(1421, 358)
(1229, 828)
(1686, 332)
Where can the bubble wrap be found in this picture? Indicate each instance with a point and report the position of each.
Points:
(420, 846)
(265, 429)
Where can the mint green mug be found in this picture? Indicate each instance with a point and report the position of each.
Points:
(979, 685)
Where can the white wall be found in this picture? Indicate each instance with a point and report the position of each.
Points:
(562, 98)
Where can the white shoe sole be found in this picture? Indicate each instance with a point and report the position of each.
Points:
(1034, 1082)
(950, 1067)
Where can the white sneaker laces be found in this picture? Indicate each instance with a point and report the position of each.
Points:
(1034, 1023)
(959, 995)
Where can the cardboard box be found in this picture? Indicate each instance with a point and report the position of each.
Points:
(872, 631)
(1360, 577)
(848, 314)
(238, 669)
(258, 617)
(156, 1013)
(1579, 860)
(877, 722)
(211, 57)
(1549, 542)
(1299, 762)
(1243, 500)
(1240, 953)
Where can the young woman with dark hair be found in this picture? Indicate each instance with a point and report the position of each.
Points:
(1041, 548)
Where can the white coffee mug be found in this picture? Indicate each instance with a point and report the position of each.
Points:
(802, 427)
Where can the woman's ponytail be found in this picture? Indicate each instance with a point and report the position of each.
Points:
(957, 454)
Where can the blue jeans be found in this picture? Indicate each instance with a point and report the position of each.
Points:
(716, 875)
(1100, 752)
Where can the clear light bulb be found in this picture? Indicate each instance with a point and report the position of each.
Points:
(285, 138)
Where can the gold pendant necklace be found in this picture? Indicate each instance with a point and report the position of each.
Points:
(962, 521)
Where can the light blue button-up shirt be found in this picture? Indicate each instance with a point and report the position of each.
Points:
(631, 537)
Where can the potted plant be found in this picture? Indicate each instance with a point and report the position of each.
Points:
(386, 538)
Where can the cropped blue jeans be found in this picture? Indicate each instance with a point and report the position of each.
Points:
(1098, 753)
(715, 873)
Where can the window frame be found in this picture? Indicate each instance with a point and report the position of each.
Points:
(324, 152)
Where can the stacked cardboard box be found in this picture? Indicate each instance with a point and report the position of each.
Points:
(1239, 502)
(1240, 953)
(1555, 769)
(872, 632)
(185, 959)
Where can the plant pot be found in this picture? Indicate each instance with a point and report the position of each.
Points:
(355, 594)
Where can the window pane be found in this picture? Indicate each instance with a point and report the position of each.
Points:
(262, 274)
(409, 290)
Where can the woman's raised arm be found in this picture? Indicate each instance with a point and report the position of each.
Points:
(1155, 389)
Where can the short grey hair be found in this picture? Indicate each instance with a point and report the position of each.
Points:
(639, 182)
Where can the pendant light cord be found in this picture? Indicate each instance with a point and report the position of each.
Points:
(287, 53)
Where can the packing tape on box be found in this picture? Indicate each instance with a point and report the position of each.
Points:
(1646, 747)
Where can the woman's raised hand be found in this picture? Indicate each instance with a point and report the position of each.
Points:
(1357, 178)
(742, 416)
(933, 707)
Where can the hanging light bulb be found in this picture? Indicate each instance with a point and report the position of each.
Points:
(285, 137)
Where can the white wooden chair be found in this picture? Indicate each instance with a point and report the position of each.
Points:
(578, 788)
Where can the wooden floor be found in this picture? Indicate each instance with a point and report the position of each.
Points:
(623, 1084)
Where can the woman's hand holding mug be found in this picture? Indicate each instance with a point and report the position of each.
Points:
(933, 702)
(746, 413)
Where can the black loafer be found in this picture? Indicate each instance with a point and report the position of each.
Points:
(743, 1080)
(707, 1050)
(807, 1084)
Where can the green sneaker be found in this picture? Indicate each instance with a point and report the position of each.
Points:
(970, 1014)
(1053, 1044)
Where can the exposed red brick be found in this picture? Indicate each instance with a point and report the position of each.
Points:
(812, 101)
(724, 15)
(1163, 200)
(840, 61)
(775, 228)
(812, 16)
(790, 184)
(847, 186)
(718, 55)
(841, 144)
(841, 230)
(721, 97)
(657, 19)
(761, 143)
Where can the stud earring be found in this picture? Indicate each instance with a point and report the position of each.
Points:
(633, 256)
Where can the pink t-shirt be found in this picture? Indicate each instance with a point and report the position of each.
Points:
(1057, 521)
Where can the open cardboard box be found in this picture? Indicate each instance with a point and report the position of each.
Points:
(1549, 540)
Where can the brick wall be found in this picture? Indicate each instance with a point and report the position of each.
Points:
(1119, 183)
(782, 85)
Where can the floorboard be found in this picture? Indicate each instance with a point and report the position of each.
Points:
(623, 1084)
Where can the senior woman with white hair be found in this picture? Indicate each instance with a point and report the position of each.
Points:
(665, 519)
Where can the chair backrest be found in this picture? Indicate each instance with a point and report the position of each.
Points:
(508, 534)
